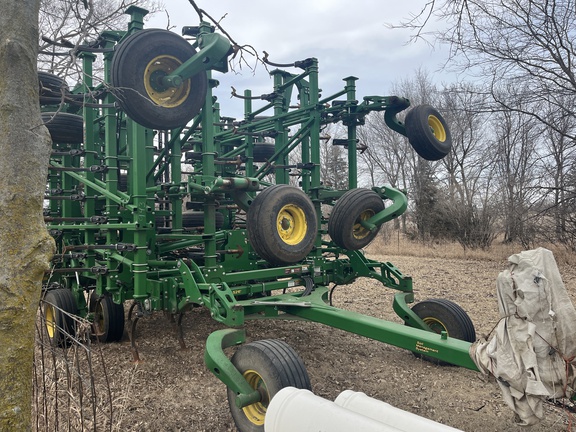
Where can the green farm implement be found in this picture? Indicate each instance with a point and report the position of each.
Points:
(156, 199)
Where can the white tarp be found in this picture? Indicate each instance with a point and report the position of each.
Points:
(531, 352)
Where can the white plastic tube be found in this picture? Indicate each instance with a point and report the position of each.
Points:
(383, 412)
(296, 410)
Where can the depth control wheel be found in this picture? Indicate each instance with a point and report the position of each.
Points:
(282, 224)
(52, 89)
(138, 66)
(108, 318)
(59, 307)
(263, 151)
(428, 132)
(344, 225)
(443, 315)
(268, 366)
(64, 128)
(194, 219)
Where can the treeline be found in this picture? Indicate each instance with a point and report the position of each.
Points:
(511, 171)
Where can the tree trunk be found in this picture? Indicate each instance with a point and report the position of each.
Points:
(25, 246)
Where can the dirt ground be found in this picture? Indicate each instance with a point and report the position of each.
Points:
(171, 390)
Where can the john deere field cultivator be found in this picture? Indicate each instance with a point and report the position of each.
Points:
(157, 199)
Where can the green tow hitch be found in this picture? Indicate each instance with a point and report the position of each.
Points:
(221, 366)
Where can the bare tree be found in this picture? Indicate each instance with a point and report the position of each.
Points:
(333, 158)
(522, 53)
(517, 157)
(469, 167)
(528, 42)
(66, 24)
(25, 245)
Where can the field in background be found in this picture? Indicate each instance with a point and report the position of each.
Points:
(393, 242)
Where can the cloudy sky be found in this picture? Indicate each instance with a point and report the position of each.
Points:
(348, 38)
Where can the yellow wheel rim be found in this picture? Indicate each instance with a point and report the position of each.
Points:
(291, 224)
(257, 411)
(435, 325)
(167, 97)
(358, 230)
(50, 317)
(437, 128)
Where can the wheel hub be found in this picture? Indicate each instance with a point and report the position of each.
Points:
(291, 224)
(165, 96)
(359, 231)
(256, 412)
(435, 325)
(437, 128)
(50, 318)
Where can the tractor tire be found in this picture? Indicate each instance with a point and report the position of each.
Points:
(108, 318)
(428, 132)
(138, 62)
(354, 206)
(58, 309)
(282, 224)
(64, 128)
(52, 88)
(262, 152)
(268, 366)
(195, 219)
(123, 182)
(443, 315)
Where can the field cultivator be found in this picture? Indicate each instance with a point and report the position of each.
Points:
(155, 198)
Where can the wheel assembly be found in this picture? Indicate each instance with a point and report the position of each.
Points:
(268, 366)
(282, 224)
(428, 132)
(442, 315)
(262, 152)
(52, 88)
(108, 318)
(138, 66)
(194, 219)
(58, 307)
(344, 225)
(64, 128)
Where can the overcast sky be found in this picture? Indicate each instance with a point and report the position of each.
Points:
(347, 37)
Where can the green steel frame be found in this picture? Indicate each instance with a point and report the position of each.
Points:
(116, 191)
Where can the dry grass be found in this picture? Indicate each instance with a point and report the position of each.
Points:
(393, 242)
(72, 388)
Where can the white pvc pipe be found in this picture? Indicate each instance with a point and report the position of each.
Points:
(296, 410)
(383, 412)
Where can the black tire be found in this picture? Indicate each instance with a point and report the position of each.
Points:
(428, 132)
(52, 88)
(123, 182)
(141, 58)
(59, 307)
(444, 315)
(269, 366)
(64, 128)
(108, 319)
(262, 152)
(282, 225)
(351, 208)
(194, 219)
